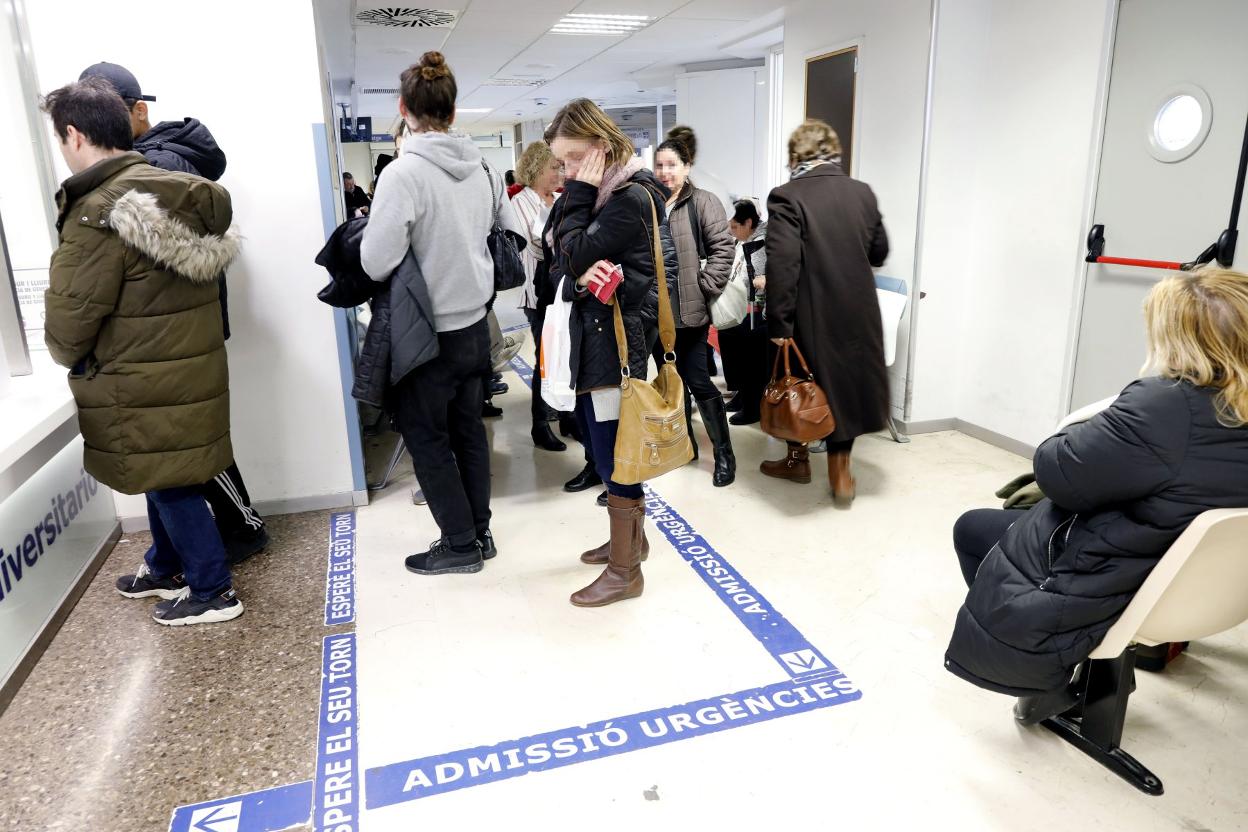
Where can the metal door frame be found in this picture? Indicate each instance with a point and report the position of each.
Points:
(1075, 325)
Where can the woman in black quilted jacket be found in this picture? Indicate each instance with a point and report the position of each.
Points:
(1047, 584)
(605, 218)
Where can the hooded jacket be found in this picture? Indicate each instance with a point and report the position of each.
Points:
(437, 201)
(698, 285)
(185, 146)
(1121, 489)
(132, 307)
(623, 233)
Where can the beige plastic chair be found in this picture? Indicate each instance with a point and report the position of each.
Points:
(1198, 589)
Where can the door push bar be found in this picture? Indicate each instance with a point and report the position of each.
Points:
(1223, 250)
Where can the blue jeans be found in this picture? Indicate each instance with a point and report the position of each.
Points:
(600, 440)
(185, 540)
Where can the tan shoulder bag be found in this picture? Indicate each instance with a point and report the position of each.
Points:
(652, 438)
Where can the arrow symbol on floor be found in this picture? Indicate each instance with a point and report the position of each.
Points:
(210, 821)
(803, 661)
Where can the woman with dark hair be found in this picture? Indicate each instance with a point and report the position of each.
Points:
(824, 236)
(744, 347)
(705, 250)
(605, 217)
(437, 200)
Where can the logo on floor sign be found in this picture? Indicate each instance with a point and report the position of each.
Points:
(803, 661)
(223, 817)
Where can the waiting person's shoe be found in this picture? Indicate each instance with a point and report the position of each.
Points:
(498, 388)
(1032, 710)
(734, 404)
(622, 578)
(189, 610)
(143, 584)
(603, 498)
(239, 548)
(795, 467)
(841, 478)
(587, 479)
(544, 438)
(820, 447)
(486, 541)
(715, 420)
(489, 411)
(441, 559)
(744, 417)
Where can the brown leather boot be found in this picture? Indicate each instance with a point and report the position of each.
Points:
(841, 478)
(622, 578)
(794, 467)
(601, 555)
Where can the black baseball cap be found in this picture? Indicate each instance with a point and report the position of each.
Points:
(122, 79)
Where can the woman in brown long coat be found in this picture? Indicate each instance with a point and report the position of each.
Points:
(824, 236)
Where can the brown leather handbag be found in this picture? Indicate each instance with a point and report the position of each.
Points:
(795, 408)
(652, 438)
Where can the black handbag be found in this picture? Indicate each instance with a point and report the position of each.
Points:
(504, 248)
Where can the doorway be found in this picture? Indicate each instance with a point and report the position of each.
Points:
(831, 90)
(1174, 126)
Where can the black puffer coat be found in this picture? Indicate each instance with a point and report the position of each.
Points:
(1121, 488)
(621, 232)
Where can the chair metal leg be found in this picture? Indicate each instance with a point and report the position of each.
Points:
(897, 435)
(1098, 732)
(394, 461)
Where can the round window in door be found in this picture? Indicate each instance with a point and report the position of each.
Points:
(1180, 124)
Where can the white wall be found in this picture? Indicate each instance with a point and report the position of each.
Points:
(727, 109)
(893, 37)
(289, 428)
(1013, 124)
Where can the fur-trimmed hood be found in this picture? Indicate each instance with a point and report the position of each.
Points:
(143, 224)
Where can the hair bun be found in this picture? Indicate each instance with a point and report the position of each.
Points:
(433, 66)
(685, 136)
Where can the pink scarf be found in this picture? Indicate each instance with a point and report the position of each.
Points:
(616, 176)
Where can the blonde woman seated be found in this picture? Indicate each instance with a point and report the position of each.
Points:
(1047, 584)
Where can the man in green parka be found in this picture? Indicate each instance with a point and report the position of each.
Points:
(133, 310)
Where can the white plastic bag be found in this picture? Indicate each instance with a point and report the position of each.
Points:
(558, 390)
(728, 310)
(892, 307)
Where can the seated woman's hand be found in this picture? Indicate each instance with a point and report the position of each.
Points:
(596, 276)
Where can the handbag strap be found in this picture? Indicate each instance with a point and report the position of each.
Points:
(801, 359)
(667, 323)
(695, 223)
(489, 177)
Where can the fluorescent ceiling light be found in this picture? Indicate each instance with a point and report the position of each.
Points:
(601, 24)
(474, 109)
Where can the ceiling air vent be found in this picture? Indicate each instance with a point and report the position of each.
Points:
(405, 18)
(514, 82)
(379, 91)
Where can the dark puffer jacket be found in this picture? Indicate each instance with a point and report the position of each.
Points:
(699, 285)
(1122, 487)
(185, 146)
(621, 232)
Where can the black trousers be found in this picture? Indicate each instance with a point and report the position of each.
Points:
(231, 506)
(439, 415)
(691, 362)
(744, 351)
(976, 532)
(537, 320)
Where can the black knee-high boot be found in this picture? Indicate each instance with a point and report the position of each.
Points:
(715, 418)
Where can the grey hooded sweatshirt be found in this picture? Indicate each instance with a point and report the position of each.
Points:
(434, 199)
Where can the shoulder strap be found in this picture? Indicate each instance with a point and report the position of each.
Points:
(489, 176)
(667, 323)
(695, 223)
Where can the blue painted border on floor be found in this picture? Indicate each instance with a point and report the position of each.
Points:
(340, 574)
(429, 776)
(337, 789)
(263, 811)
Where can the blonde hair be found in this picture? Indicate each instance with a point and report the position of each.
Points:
(813, 139)
(583, 119)
(535, 159)
(1198, 332)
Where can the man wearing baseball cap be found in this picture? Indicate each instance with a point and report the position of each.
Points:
(189, 147)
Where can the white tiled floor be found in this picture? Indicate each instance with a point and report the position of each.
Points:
(452, 662)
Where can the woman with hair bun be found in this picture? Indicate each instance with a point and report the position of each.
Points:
(438, 200)
(705, 249)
